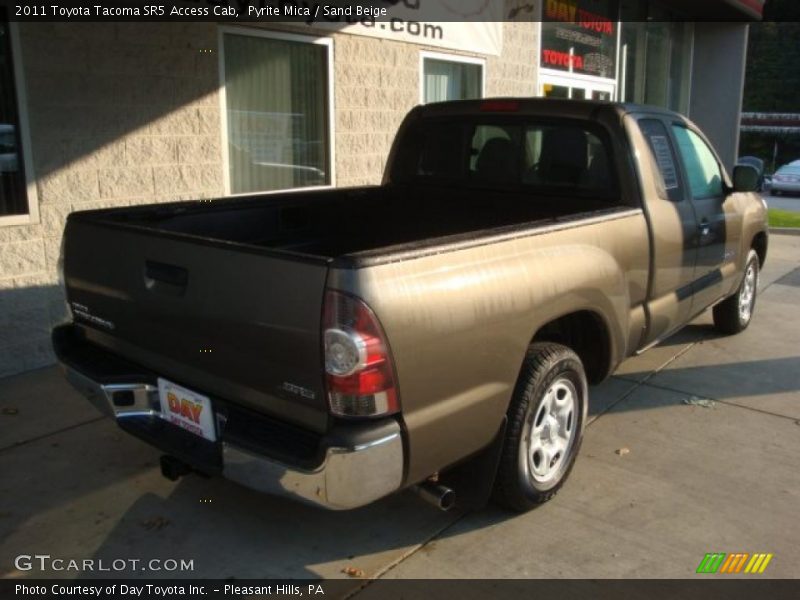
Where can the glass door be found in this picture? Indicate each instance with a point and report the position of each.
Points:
(557, 86)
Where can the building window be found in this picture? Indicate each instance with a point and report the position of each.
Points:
(13, 186)
(446, 77)
(585, 44)
(656, 56)
(277, 111)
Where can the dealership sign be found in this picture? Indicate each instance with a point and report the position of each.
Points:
(579, 36)
(467, 25)
(754, 7)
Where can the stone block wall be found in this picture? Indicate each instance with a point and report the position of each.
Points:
(119, 114)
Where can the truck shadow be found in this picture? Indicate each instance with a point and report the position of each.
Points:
(694, 332)
(27, 314)
(230, 532)
(727, 381)
(94, 492)
(109, 502)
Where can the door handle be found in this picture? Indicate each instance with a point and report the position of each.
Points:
(165, 278)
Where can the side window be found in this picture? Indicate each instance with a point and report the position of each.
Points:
(702, 170)
(664, 159)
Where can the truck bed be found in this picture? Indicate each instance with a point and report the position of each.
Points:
(333, 223)
(225, 296)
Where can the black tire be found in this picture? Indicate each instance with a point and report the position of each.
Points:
(553, 368)
(729, 315)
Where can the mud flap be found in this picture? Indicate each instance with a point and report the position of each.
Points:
(473, 480)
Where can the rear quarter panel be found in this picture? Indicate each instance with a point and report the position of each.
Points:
(747, 211)
(459, 321)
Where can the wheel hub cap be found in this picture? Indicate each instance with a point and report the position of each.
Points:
(551, 432)
(747, 293)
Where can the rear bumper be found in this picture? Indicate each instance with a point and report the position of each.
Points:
(355, 464)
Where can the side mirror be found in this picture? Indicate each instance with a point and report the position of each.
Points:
(745, 178)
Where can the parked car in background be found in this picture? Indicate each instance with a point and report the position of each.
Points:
(757, 164)
(8, 149)
(786, 180)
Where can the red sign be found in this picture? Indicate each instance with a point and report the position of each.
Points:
(567, 11)
(580, 36)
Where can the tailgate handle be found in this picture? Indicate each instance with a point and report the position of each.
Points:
(168, 279)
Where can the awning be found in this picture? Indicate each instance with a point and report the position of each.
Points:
(753, 8)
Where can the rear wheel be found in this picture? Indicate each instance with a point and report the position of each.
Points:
(545, 427)
(734, 314)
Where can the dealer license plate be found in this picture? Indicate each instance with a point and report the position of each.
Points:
(187, 409)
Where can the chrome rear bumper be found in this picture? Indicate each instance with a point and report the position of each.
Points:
(358, 467)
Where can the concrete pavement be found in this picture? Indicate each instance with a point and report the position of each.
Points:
(695, 480)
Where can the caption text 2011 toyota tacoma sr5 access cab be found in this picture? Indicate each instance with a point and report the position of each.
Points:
(438, 331)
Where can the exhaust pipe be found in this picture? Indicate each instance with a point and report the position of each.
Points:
(441, 496)
(173, 468)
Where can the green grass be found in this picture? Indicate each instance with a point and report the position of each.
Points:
(783, 218)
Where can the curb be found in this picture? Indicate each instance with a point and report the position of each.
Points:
(785, 230)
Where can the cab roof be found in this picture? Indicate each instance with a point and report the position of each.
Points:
(548, 107)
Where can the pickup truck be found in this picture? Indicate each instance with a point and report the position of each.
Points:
(437, 332)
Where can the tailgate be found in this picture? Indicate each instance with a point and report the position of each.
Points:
(231, 321)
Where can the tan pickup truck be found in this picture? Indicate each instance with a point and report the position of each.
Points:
(439, 331)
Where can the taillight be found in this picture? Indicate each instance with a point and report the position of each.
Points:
(358, 363)
(499, 106)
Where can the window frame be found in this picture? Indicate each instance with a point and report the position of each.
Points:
(223, 100)
(446, 57)
(25, 154)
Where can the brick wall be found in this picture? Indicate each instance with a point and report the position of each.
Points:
(124, 114)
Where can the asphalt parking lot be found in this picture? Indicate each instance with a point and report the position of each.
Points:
(693, 447)
(791, 203)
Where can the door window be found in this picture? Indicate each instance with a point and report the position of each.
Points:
(700, 164)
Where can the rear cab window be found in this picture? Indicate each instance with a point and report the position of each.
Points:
(564, 157)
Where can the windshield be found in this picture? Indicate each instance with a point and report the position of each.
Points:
(562, 158)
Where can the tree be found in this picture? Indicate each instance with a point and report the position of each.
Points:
(772, 78)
